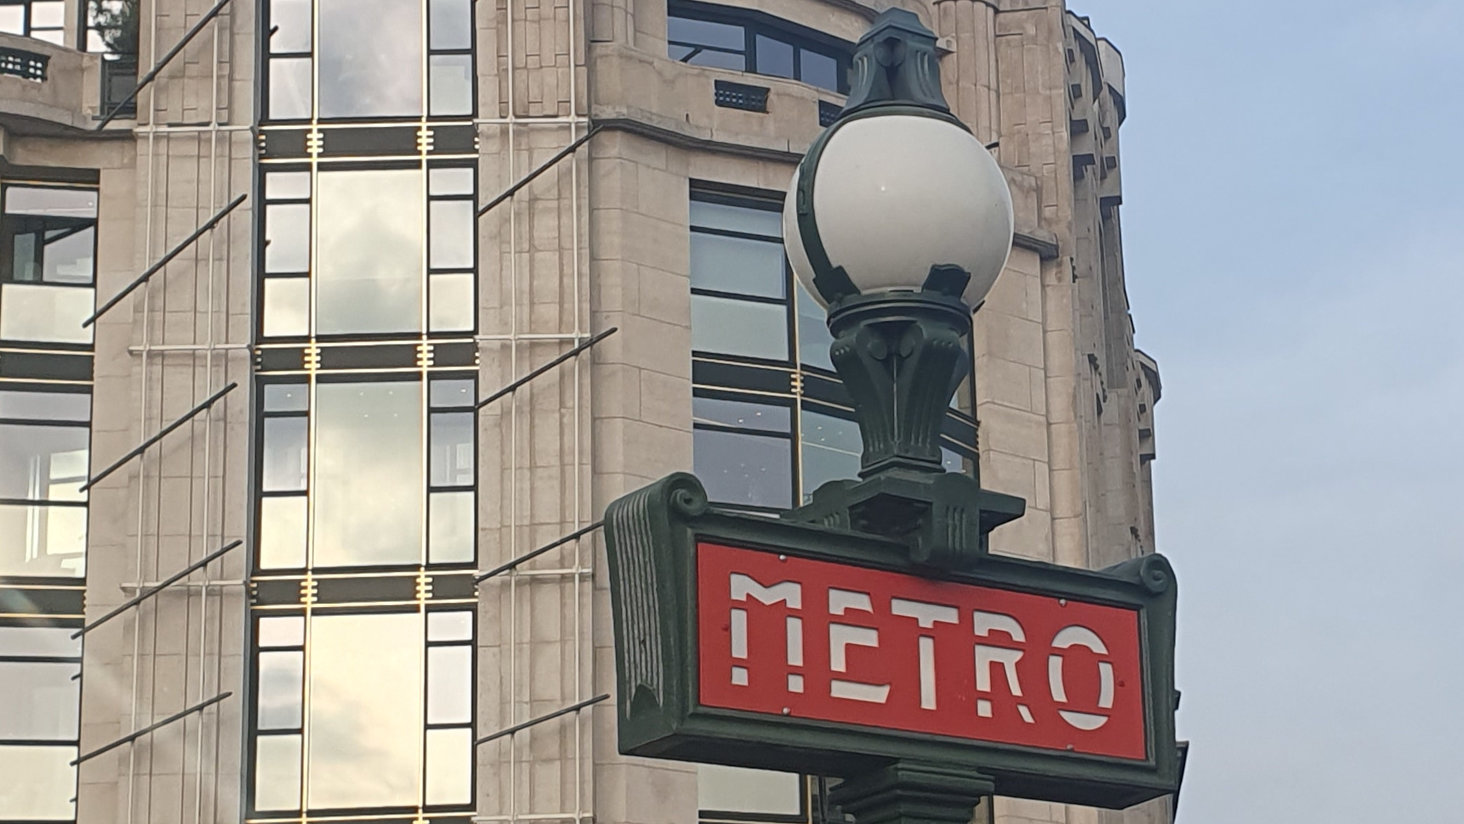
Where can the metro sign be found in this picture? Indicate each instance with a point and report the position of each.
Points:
(761, 643)
(833, 642)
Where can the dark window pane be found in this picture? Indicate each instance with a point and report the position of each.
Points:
(818, 69)
(831, 448)
(746, 219)
(774, 57)
(369, 275)
(369, 486)
(370, 54)
(289, 88)
(39, 700)
(451, 84)
(292, 19)
(741, 415)
(698, 56)
(704, 33)
(739, 327)
(46, 406)
(814, 338)
(450, 24)
(744, 469)
(42, 540)
(43, 463)
(452, 449)
(285, 465)
(734, 264)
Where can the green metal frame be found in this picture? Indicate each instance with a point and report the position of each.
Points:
(651, 537)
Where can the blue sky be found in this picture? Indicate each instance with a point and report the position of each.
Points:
(1294, 207)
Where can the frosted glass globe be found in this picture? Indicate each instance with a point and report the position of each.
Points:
(896, 194)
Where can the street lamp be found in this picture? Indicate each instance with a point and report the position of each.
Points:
(899, 221)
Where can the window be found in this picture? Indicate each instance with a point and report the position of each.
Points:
(344, 479)
(47, 264)
(383, 251)
(44, 438)
(39, 704)
(368, 59)
(41, 19)
(727, 37)
(387, 700)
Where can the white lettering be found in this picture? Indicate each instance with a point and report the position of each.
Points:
(841, 637)
(786, 592)
(1081, 637)
(985, 624)
(927, 615)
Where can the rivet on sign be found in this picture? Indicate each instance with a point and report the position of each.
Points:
(782, 557)
(787, 711)
(1070, 746)
(1062, 602)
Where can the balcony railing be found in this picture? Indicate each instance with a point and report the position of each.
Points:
(22, 63)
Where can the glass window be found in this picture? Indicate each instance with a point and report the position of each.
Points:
(290, 23)
(287, 237)
(286, 397)
(45, 406)
(817, 69)
(39, 782)
(42, 642)
(369, 267)
(281, 677)
(741, 468)
(450, 25)
(830, 449)
(290, 94)
(46, 314)
(767, 222)
(735, 264)
(814, 338)
(449, 766)
(43, 463)
(42, 540)
(723, 789)
(738, 327)
(282, 532)
(453, 225)
(285, 467)
(450, 303)
(739, 414)
(40, 700)
(704, 33)
(774, 57)
(451, 84)
(365, 710)
(369, 65)
(451, 537)
(452, 449)
(368, 473)
(277, 772)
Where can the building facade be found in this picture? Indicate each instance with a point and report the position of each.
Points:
(279, 281)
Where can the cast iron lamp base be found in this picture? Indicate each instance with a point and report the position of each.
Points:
(901, 356)
(912, 793)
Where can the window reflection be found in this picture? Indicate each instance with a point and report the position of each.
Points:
(742, 468)
(368, 473)
(369, 266)
(369, 64)
(39, 698)
(831, 447)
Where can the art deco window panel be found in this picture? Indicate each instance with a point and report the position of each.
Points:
(729, 37)
(369, 252)
(39, 702)
(47, 264)
(367, 473)
(367, 60)
(363, 710)
(41, 19)
(44, 444)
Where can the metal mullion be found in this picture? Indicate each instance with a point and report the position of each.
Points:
(42, 422)
(755, 433)
(38, 659)
(734, 233)
(718, 293)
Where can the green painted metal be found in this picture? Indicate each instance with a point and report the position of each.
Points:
(651, 538)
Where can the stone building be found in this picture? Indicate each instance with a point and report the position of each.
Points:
(323, 252)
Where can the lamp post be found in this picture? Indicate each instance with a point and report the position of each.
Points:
(899, 221)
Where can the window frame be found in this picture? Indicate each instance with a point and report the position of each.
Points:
(754, 23)
(28, 27)
(7, 251)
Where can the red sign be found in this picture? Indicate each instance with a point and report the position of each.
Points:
(818, 640)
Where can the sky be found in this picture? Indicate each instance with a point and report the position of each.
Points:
(1292, 220)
